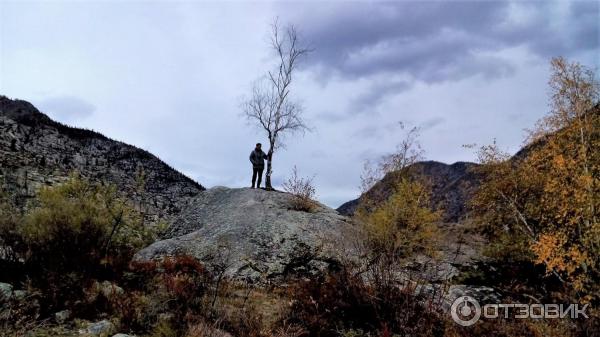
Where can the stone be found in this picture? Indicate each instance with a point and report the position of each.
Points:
(6, 290)
(62, 316)
(481, 293)
(256, 234)
(100, 328)
(108, 289)
(19, 295)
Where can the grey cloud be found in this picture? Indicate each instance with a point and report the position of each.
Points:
(330, 117)
(431, 123)
(547, 38)
(367, 132)
(376, 93)
(378, 131)
(466, 67)
(67, 109)
(440, 41)
(406, 35)
(318, 154)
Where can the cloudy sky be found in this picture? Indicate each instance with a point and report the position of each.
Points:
(169, 76)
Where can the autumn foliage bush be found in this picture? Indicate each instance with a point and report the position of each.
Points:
(542, 207)
(343, 301)
(167, 293)
(71, 235)
(179, 296)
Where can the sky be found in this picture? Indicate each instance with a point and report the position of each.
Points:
(170, 77)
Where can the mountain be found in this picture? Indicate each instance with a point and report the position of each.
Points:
(36, 151)
(452, 186)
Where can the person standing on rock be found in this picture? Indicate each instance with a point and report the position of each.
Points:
(257, 158)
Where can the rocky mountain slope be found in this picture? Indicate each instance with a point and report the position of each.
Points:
(254, 234)
(452, 186)
(37, 151)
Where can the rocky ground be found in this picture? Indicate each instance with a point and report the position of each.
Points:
(255, 234)
(60, 325)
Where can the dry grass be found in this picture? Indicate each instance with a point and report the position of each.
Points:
(302, 190)
(204, 329)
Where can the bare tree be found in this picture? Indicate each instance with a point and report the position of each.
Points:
(270, 103)
(408, 152)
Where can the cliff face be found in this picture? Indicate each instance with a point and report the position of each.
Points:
(452, 186)
(37, 151)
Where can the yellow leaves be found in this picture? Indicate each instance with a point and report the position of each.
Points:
(553, 186)
(585, 180)
(558, 255)
(569, 204)
(403, 224)
(559, 162)
(546, 249)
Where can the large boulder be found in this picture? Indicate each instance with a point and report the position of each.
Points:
(255, 234)
(6, 290)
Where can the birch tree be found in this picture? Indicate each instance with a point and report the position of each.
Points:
(408, 152)
(270, 104)
(543, 205)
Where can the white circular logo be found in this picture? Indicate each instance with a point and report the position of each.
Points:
(465, 311)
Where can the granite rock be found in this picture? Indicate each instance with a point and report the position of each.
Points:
(256, 234)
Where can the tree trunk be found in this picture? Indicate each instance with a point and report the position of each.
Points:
(268, 185)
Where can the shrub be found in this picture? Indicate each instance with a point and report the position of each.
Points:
(17, 314)
(371, 298)
(343, 301)
(73, 234)
(396, 231)
(11, 243)
(403, 224)
(241, 319)
(302, 190)
(167, 295)
(175, 296)
(203, 329)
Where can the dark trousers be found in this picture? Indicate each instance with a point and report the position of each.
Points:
(257, 171)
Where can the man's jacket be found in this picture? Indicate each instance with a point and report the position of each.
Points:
(257, 158)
